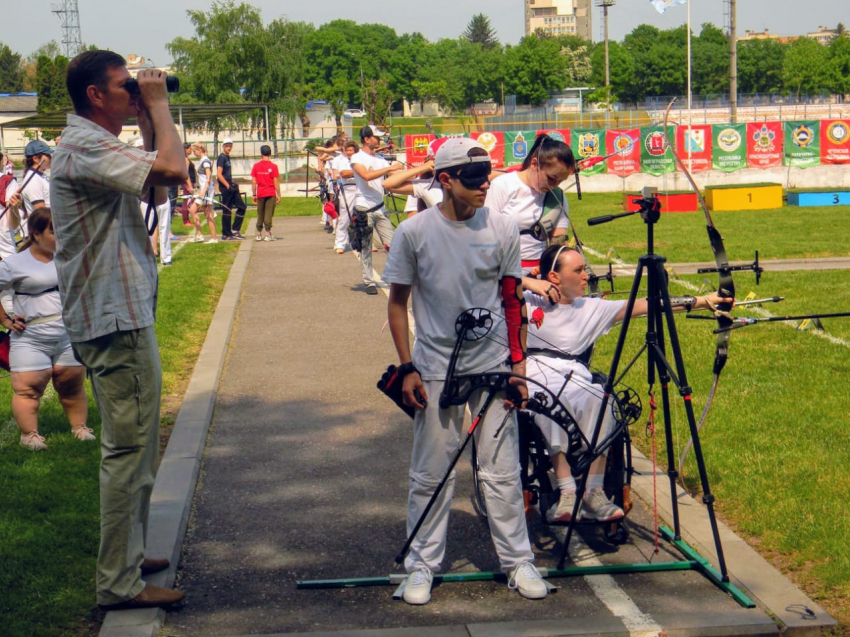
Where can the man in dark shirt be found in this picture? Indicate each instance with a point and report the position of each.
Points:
(231, 198)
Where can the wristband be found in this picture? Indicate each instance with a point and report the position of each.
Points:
(406, 368)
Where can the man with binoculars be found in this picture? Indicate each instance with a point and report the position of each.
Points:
(108, 285)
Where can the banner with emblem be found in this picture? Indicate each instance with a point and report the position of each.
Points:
(764, 144)
(656, 156)
(802, 143)
(495, 145)
(558, 134)
(729, 152)
(628, 142)
(696, 140)
(416, 148)
(517, 146)
(835, 141)
(587, 143)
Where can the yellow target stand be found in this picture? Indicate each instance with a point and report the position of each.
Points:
(744, 197)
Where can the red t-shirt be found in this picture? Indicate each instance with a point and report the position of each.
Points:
(265, 172)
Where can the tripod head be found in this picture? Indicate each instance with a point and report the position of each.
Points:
(649, 207)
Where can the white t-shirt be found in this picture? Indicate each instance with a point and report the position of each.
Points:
(340, 163)
(454, 266)
(38, 189)
(508, 194)
(369, 193)
(7, 239)
(431, 196)
(206, 185)
(29, 278)
(569, 327)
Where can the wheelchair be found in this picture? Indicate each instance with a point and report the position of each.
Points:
(540, 490)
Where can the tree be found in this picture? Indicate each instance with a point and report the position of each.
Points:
(710, 61)
(50, 86)
(622, 69)
(804, 69)
(11, 72)
(234, 58)
(480, 31)
(535, 68)
(838, 54)
(760, 65)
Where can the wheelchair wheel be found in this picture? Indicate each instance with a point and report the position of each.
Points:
(478, 494)
(616, 533)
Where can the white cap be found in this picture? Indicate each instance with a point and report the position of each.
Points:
(455, 152)
(370, 130)
(226, 141)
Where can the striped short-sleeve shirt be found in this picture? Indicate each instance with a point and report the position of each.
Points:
(107, 270)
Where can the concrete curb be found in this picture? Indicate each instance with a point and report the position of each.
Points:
(747, 569)
(171, 502)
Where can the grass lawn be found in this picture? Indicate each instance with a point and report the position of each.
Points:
(49, 530)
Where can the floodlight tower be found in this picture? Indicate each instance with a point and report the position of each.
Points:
(72, 41)
(606, 4)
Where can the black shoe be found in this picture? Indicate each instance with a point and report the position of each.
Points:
(238, 236)
(371, 290)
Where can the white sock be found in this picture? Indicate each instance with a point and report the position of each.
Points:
(567, 485)
(595, 481)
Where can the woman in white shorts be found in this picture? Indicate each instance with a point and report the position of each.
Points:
(40, 346)
(205, 194)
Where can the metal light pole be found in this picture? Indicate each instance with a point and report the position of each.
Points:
(733, 59)
(606, 4)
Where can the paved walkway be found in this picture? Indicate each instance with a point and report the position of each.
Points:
(303, 475)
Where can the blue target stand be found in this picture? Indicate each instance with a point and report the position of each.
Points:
(833, 198)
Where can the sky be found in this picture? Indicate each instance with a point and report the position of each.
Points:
(150, 24)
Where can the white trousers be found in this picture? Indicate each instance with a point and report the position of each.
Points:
(164, 212)
(438, 433)
(341, 238)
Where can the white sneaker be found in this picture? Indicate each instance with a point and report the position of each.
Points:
(597, 506)
(417, 590)
(199, 238)
(528, 581)
(562, 511)
(213, 240)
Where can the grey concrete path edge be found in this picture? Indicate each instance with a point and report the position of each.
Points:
(171, 502)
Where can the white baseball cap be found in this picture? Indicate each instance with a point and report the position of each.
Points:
(226, 141)
(455, 152)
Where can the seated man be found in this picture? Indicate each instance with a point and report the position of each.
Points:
(559, 333)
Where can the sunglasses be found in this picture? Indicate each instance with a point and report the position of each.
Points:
(473, 176)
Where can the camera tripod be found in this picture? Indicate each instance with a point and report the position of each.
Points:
(659, 316)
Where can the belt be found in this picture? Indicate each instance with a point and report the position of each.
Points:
(534, 351)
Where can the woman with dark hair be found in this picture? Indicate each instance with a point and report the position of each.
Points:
(265, 184)
(534, 199)
(40, 347)
(558, 335)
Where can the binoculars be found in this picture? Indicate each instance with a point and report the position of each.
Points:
(172, 85)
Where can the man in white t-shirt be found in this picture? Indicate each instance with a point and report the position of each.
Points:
(453, 257)
(346, 189)
(369, 209)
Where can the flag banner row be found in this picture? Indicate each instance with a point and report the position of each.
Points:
(702, 147)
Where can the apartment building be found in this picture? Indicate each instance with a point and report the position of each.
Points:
(560, 17)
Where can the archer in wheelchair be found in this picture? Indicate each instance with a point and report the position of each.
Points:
(561, 337)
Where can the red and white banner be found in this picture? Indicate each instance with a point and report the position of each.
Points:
(693, 143)
(835, 141)
(495, 145)
(417, 148)
(764, 144)
(626, 162)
